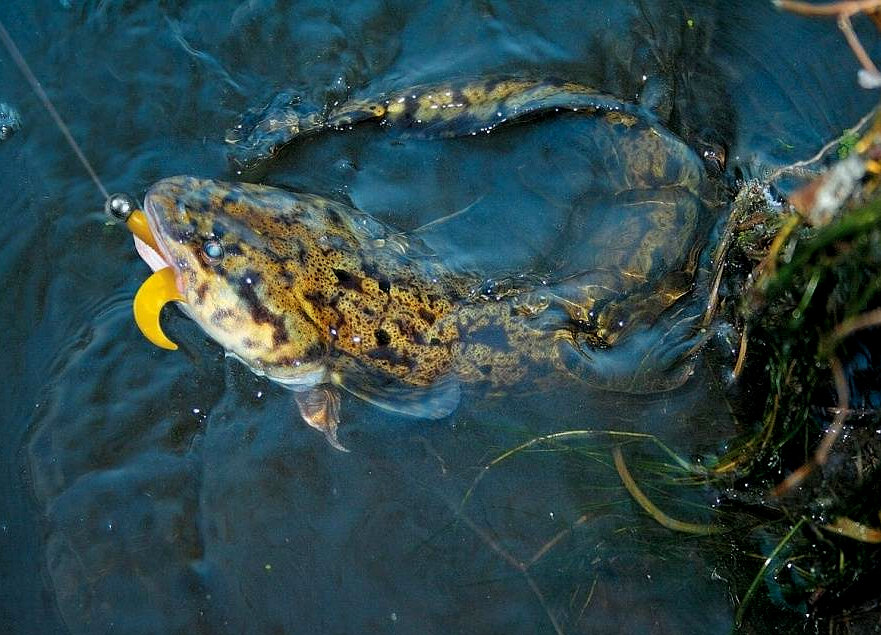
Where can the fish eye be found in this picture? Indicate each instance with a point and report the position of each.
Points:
(212, 251)
(715, 158)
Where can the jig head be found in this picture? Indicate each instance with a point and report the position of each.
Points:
(157, 290)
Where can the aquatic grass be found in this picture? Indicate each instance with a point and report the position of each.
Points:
(806, 315)
(819, 260)
(760, 576)
(679, 473)
(650, 508)
(560, 555)
(569, 435)
(814, 292)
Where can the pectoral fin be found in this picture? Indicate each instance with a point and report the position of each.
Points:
(320, 408)
(425, 402)
(157, 290)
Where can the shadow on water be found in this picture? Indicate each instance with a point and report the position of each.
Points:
(151, 492)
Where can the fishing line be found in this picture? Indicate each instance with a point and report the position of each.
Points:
(47, 103)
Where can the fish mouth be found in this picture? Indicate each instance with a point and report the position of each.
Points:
(159, 203)
(165, 284)
(153, 258)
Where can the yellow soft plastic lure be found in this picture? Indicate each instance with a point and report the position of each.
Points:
(157, 291)
(137, 224)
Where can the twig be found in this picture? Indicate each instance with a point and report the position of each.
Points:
(845, 329)
(794, 479)
(795, 168)
(854, 324)
(856, 46)
(844, 10)
(719, 269)
(846, 7)
(764, 272)
(741, 353)
(835, 429)
(829, 438)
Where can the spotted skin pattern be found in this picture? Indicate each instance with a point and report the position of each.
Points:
(657, 239)
(308, 289)
(448, 109)
(311, 292)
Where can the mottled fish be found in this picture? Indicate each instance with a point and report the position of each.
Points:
(315, 294)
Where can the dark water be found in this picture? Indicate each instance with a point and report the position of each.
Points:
(144, 491)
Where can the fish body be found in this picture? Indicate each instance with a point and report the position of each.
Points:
(443, 110)
(308, 291)
(315, 294)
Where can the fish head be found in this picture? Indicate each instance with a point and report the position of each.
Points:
(229, 246)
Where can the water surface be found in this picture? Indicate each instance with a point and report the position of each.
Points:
(144, 491)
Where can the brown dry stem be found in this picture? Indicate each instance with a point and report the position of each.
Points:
(843, 11)
(855, 531)
(844, 330)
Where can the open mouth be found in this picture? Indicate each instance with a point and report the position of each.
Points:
(152, 257)
(157, 290)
